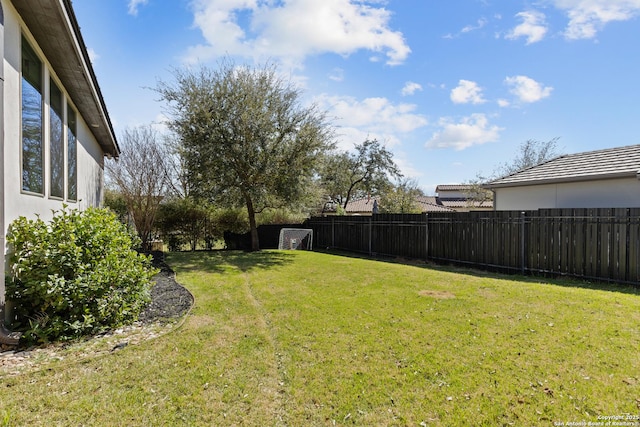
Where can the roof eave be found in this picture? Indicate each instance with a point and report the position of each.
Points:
(619, 175)
(54, 26)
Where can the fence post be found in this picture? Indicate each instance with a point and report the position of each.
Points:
(370, 234)
(426, 236)
(333, 232)
(522, 242)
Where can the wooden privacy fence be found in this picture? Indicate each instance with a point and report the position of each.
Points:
(599, 244)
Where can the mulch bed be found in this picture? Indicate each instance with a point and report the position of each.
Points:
(169, 299)
(169, 302)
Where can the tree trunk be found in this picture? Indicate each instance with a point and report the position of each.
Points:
(255, 243)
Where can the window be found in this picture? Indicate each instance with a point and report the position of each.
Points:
(32, 152)
(56, 141)
(72, 155)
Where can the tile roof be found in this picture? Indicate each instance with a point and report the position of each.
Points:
(463, 203)
(600, 164)
(360, 205)
(426, 203)
(454, 187)
(431, 204)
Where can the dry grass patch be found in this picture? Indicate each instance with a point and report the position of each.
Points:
(436, 294)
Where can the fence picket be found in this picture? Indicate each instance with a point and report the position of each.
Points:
(601, 244)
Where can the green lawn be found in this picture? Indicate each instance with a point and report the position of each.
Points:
(297, 338)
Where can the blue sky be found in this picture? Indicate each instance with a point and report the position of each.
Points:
(451, 87)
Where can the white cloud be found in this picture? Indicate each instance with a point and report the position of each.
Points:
(93, 56)
(533, 27)
(503, 103)
(410, 88)
(370, 118)
(134, 5)
(294, 29)
(472, 130)
(479, 25)
(587, 17)
(467, 92)
(526, 89)
(337, 75)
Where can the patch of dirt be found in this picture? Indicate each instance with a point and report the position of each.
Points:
(436, 294)
(170, 302)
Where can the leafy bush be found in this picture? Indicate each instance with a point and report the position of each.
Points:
(74, 276)
(187, 222)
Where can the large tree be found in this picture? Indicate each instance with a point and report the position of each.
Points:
(402, 197)
(245, 136)
(141, 176)
(367, 170)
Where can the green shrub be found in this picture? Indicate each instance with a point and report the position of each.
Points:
(76, 275)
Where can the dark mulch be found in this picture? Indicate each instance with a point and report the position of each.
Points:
(169, 299)
(169, 302)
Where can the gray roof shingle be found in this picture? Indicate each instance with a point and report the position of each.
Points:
(600, 164)
(453, 187)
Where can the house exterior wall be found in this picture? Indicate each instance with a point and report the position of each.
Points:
(607, 193)
(90, 164)
(452, 194)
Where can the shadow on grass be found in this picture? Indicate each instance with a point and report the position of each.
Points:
(219, 261)
(564, 281)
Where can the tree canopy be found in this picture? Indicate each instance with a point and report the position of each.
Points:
(402, 197)
(365, 171)
(244, 135)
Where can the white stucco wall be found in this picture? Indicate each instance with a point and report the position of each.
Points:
(451, 194)
(90, 164)
(608, 193)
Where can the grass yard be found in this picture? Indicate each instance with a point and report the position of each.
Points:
(297, 338)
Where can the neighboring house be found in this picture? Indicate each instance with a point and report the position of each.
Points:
(595, 179)
(364, 206)
(54, 126)
(459, 197)
(430, 204)
(450, 198)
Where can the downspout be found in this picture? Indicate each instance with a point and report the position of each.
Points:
(7, 338)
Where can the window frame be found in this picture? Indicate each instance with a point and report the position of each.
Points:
(57, 123)
(71, 178)
(59, 144)
(24, 187)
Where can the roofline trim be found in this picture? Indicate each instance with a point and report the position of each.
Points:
(618, 175)
(80, 46)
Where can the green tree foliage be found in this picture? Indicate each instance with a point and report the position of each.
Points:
(402, 198)
(365, 171)
(186, 222)
(115, 201)
(75, 275)
(245, 137)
